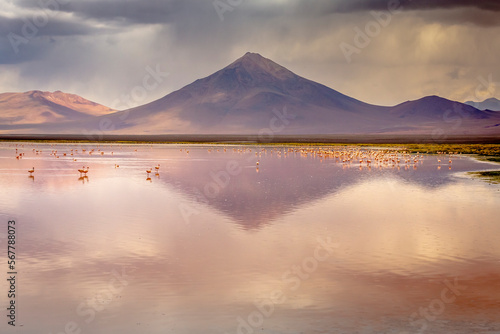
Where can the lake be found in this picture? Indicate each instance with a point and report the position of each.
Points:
(309, 240)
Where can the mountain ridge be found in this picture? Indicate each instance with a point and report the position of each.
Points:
(488, 104)
(242, 96)
(248, 95)
(38, 107)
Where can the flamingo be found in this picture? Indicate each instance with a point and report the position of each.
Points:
(83, 170)
(31, 170)
(157, 168)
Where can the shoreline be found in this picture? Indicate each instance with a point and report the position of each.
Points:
(486, 148)
(259, 139)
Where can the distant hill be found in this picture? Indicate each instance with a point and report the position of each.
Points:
(36, 107)
(489, 104)
(254, 95)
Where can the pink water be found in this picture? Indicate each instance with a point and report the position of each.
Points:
(303, 244)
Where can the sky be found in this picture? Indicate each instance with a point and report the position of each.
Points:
(124, 53)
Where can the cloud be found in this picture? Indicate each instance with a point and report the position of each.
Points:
(53, 26)
(482, 13)
(365, 5)
(100, 49)
(128, 11)
(28, 37)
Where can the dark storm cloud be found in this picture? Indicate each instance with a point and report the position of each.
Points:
(129, 11)
(363, 5)
(475, 16)
(54, 26)
(27, 37)
(190, 20)
(203, 15)
(31, 51)
(107, 45)
(481, 13)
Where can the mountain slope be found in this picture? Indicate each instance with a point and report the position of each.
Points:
(255, 95)
(435, 108)
(432, 113)
(488, 104)
(36, 107)
(241, 98)
(245, 97)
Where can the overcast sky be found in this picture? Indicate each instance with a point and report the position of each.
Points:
(103, 49)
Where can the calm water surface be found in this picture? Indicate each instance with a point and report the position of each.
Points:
(212, 244)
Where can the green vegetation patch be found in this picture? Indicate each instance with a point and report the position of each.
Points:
(490, 176)
(491, 150)
(494, 159)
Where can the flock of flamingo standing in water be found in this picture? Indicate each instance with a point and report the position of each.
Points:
(73, 153)
(347, 156)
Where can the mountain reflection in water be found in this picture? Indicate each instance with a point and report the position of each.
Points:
(206, 245)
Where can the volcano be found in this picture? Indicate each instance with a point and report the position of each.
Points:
(255, 95)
